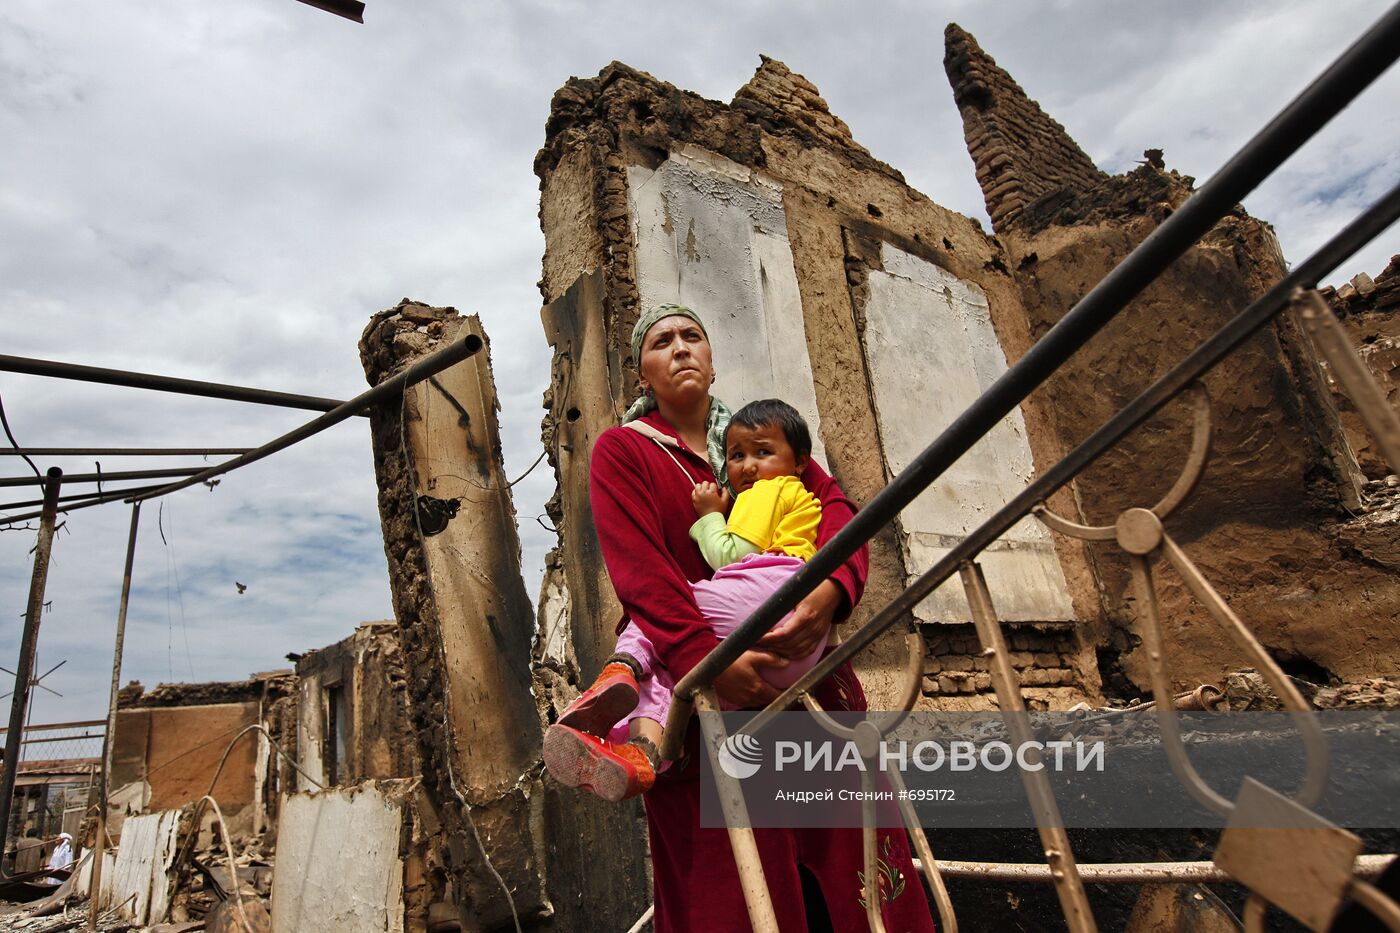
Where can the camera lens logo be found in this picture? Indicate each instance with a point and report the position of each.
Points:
(740, 756)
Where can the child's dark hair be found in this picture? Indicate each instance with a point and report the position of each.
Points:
(775, 412)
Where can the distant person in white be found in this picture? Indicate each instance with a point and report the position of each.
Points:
(62, 856)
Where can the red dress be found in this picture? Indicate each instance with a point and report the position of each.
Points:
(643, 513)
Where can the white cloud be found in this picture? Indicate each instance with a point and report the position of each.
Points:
(229, 192)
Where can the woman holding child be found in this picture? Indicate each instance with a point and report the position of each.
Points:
(658, 504)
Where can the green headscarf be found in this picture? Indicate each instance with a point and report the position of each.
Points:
(648, 318)
(718, 419)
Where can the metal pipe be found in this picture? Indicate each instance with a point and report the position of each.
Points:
(758, 900)
(1054, 839)
(1337, 86)
(91, 499)
(25, 666)
(925, 862)
(1200, 361)
(122, 451)
(115, 476)
(1367, 866)
(104, 786)
(352, 10)
(77, 496)
(869, 821)
(428, 366)
(50, 726)
(134, 380)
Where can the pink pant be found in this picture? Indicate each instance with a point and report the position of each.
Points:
(726, 600)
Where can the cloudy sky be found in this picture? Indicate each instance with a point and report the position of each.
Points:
(227, 191)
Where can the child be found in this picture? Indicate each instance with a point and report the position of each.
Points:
(771, 531)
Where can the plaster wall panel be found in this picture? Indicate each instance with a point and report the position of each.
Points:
(141, 879)
(711, 235)
(83, 874)
(313, 893)
(931, 351)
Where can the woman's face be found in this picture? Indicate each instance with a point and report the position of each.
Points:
(675, 363)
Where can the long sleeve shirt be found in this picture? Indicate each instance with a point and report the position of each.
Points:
(641, 506)
(777, 515)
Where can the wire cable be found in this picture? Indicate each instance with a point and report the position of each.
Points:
(232, 866)
(14, 443)
(529, 471)
(259, 727)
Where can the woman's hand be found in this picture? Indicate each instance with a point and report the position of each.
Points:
(709, 498)
(799, 634)
(741, 684)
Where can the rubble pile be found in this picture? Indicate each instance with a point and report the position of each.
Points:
(205, 890)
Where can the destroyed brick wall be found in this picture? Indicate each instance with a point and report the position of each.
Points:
(1370, 310)
(1263, 524)
(626, 156)
(169, 742)
(353, 723)
(464, 619)
(1019, 153)
(1367, 309)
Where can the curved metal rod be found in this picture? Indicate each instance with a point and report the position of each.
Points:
(947, 917)
(1162, 694)
(1191, 472)
(913, 674)
(1195, 466)
(869, 832)
(913, 679)
(824, 719)
(1315, 781)
(1073, 529)
(1375, 900)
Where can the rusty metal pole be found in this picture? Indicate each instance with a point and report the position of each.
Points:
(104, 785)
(24, 667)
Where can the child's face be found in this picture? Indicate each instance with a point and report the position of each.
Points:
(759, 453)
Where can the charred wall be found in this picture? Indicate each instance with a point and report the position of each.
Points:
(1263, 525)
(1370, 309)
(817, 191)
(1019, 152)
(464, 620)
(353, 723)
(169, 743)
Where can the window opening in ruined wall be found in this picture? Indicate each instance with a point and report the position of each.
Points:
(337, 733)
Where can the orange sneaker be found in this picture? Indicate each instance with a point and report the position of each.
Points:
(611, 770)
(613, 695)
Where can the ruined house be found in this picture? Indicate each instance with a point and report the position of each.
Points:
(170, 741)
(352, 711)
(828, 281)
(353, 739)
(1368, 308)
